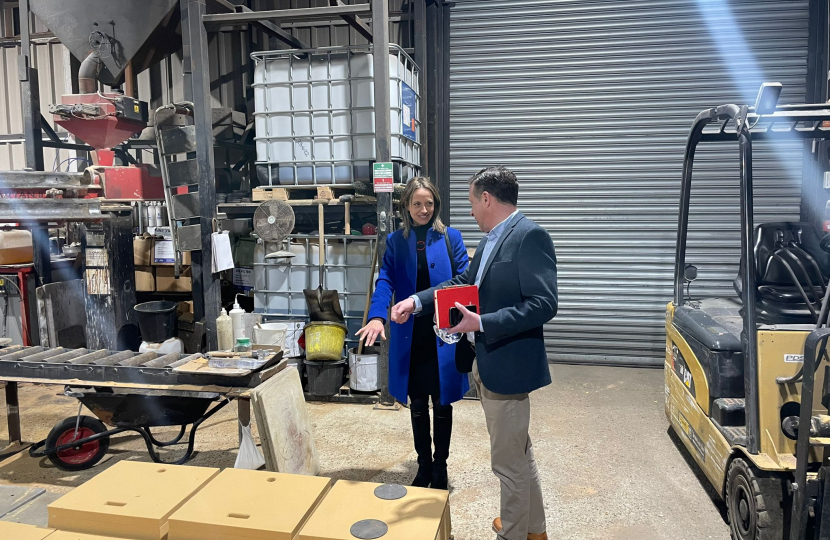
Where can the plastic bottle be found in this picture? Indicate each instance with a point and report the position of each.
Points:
(236, 321)
(151, 215)
(159, 220)
(145, 217)
(224, 331)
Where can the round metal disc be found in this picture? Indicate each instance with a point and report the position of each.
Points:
(390, 492)
(369, 529)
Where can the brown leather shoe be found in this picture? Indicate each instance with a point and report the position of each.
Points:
(530, 536)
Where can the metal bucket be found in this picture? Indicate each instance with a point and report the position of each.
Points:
(363, 369)
(324, 340)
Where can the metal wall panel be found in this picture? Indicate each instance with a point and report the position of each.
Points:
(590, 103)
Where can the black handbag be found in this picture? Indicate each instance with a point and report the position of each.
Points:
(465, 352)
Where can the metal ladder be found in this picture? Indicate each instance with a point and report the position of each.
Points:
(176, 137)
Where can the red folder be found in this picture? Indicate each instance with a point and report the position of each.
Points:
(445, 300)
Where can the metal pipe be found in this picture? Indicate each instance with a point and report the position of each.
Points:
(88, 73)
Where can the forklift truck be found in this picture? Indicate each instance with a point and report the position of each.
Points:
(738, 369)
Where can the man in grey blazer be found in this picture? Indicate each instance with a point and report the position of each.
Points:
(515, 270)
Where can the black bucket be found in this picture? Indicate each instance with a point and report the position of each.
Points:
(325, 378)
(157, 320)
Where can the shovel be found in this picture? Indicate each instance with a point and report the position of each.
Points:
(323, 305)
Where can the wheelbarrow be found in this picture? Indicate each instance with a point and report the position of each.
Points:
(79, 442)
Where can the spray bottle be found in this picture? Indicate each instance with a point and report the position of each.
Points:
(236, 320)
(224, 331)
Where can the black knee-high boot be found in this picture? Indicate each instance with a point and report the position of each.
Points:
(442, 434)
(419, 411)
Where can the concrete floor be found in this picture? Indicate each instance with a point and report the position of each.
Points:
(610, 469)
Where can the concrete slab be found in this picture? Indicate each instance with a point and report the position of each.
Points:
(13, 497)
(35, 511)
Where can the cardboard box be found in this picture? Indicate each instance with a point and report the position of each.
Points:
(130, 499)
(184, 307)
(142, 251)
(145, 279)
(240, 504)
(421, 514)
(166, 279)
(163, 254)
(19, 531)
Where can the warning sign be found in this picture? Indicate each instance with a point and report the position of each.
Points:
(384, 179)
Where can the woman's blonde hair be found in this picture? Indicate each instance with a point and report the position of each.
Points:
(420, 182)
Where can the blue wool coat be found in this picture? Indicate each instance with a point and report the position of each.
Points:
(397, 277)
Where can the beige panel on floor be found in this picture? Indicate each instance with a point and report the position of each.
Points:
(421, 514)
(66, 535)
(249, 505)
(20, 531)
(129, 500)
(283, 424)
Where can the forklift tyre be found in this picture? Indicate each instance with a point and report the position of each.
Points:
(756, 503)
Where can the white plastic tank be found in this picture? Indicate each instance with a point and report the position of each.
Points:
(314, 115)
(278, 287)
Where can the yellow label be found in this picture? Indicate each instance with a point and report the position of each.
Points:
(136, 108)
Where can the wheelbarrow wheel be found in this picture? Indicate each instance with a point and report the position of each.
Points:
(77, 458)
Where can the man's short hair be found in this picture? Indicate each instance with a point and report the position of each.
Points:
(498, 181)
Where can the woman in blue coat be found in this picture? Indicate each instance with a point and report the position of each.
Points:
(420, 255)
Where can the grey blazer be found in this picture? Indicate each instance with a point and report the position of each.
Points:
(517, 296)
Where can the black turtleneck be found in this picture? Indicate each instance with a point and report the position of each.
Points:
(423, 366)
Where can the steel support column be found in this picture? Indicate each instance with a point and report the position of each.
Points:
(438, 99)
(29, 95)
(206, 288)
(419, 39)
(383, 143)
(813, 195)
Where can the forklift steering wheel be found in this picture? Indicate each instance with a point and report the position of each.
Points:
(825, 243)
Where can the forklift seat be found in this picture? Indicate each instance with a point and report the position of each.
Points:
(786, 255)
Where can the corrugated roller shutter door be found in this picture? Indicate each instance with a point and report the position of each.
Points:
(590, 103)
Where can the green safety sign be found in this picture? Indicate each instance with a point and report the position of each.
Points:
(383, 177)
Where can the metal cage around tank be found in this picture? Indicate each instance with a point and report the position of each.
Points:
(314, 115)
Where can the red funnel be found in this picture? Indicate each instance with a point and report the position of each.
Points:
(104, 131)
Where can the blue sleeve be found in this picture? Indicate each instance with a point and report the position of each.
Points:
(385, 284)
(460, 259)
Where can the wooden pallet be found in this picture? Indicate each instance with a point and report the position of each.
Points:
(301, 193)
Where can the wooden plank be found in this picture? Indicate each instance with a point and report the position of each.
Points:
(303, 193)
(284, 427)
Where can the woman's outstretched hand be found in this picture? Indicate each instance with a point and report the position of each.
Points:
(369, 333)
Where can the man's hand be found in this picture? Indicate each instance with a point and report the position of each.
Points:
(369, 333)
(470, 323)
(402, 310)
